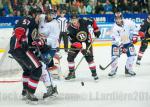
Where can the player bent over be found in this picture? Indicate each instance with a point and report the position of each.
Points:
(124, 35)
(79, 34)
(31, 65)
(144, 33)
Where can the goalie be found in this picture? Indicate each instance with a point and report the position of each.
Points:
(124, 35)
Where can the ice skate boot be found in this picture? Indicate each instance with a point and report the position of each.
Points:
(51, 91)
(24, 94)
(129, 73)
(31, 98)
(94, 75)
(70, 76)
(113, 72)
(138, 62)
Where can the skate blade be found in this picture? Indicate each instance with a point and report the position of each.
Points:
(129, 75)
(24, 98)
(71, 80)
(50, 98)
(32, 102)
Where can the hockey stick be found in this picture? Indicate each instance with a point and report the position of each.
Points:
(103, 68)
(84, 55)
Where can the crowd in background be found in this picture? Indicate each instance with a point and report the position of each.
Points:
(22, 7)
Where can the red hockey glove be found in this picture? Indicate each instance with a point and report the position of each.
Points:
(141, 34)
(134, 39)
(38, 42)
(124, 50)
(76, 45)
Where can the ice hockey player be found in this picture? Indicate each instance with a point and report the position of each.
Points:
(80, 41)
(49, 28)
(20, 41)
(124, 35)
(144, 34)
(45, 26)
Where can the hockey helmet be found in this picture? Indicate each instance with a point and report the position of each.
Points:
(33, 12)
(74, 19)
(51, 14)
(119, 18)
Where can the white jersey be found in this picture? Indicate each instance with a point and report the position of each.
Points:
(123, 34)
(51, 31)
(42, 22)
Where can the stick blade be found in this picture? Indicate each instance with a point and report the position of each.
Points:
(102, 68)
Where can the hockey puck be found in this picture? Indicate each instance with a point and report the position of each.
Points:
(82, 83)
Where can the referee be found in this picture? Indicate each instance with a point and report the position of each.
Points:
(63, 22)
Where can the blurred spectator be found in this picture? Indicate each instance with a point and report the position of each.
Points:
(125, 6)
(82, 9)
(89, 8)
(99, 9)
(21, 7)
(136, 7)
(108, 7)
(74, 8)
(68, 9)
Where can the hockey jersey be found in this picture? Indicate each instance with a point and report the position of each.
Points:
(123, 34)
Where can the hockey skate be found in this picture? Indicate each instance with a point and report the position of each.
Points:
(31, 98)
(24, 94)
(138, 62)
(51, 91)
(129, 73)
(113, 72)
(70, 76)
(94, 75)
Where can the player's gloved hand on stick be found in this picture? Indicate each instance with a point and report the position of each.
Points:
(134, 39)
(24, 46)
(85, 52)
(123, 50)
(76, 45)
(38, 42)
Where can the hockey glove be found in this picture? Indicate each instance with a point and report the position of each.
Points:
(38, 42)
(24, 46)
(134, 39)
(124, 50)
(97, 34)
(85, 52)
(76, 45)
(141, 34)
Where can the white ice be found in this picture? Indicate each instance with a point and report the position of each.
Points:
(119, 91)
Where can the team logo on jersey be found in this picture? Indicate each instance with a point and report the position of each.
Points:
(34, 34)
(81, 36)
(149, 31)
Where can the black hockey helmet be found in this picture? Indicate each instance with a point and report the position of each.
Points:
(35, 11)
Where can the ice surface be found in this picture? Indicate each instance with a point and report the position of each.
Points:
(119, 91)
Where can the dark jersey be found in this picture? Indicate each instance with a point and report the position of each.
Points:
(145, 28)
(81, 34)
(24, 30)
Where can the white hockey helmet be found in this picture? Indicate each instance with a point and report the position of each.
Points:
(119, 18)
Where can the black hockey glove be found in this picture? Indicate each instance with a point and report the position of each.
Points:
(45, 48)
(85, 52)
(24, 46)
(97, 34)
